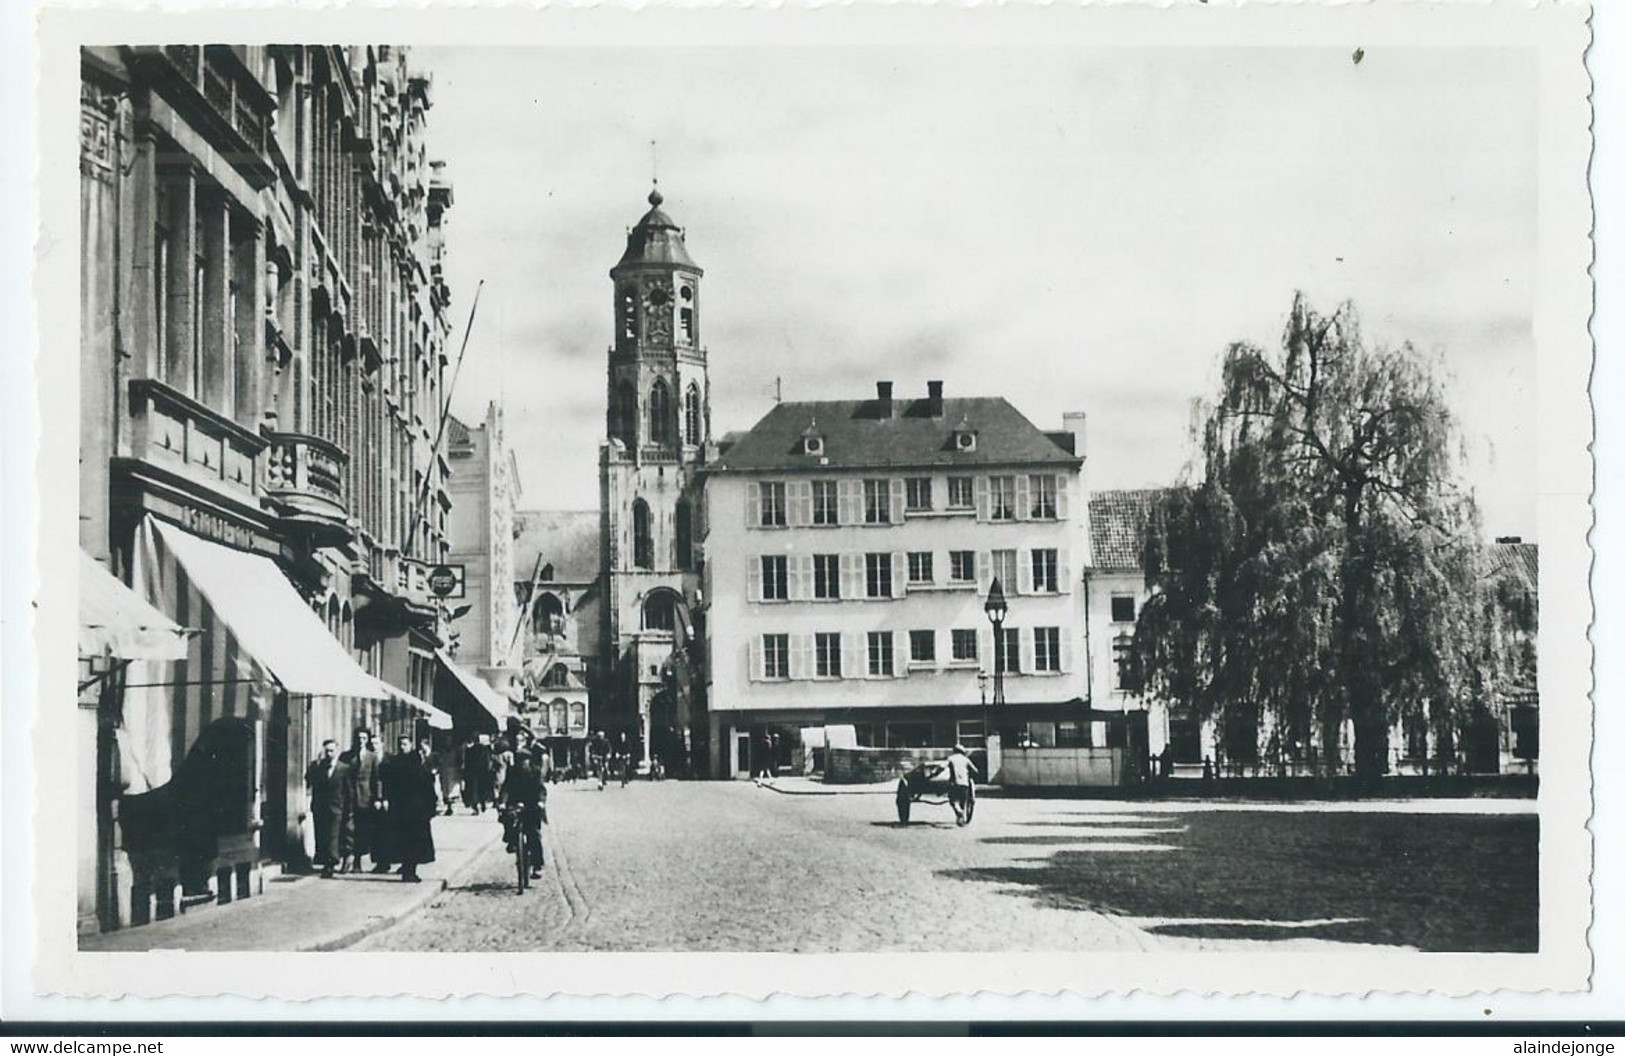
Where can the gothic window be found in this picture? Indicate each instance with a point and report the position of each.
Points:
(684, 531)
(643, 543)
(660, 611)
(557, 677)
(685, 314)
(626, 413)
(693, 421)
(660, 413)
(549, 615)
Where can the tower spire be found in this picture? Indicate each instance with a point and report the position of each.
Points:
(655, 197)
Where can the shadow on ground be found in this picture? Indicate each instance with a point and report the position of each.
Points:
(1435, 882)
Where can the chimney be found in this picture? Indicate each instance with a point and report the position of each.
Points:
(883, 394)
(933, 396)
(1076, 423)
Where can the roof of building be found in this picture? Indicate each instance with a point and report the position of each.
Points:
(865, 433)
(656, 239)
(1517, 560)
(565, 539)
(457, 434)
(1117, 521)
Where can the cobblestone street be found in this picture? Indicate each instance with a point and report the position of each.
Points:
(731, 866)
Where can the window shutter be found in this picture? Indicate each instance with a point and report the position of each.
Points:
(851, 576)
(899, 500)
(1025, 648)
(984, 652)
(854, 655)
(800, 656)
(899, 574)
(753, 575)
(1066, 651)
(900, 653)
(1063, 571)
(755, 650)
(935, 578)
(981, 499)
(801, 576)
(847, 501)
(1024, 571)
(753, 505)
(1024, 497)
(984, 570)
(801, 504)
(1060, 496)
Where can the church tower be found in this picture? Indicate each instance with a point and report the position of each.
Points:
(657, 426)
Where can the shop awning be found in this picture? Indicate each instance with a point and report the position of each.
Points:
(272, 624)
(434, 716)
(482, 696)
(116, 621)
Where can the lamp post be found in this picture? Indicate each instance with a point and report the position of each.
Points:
(997, 608)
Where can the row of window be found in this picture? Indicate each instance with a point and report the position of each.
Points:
(777, 656)
(889, 500)
(662, 425)
(890, 574)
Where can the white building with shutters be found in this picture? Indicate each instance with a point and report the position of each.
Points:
(849, 547)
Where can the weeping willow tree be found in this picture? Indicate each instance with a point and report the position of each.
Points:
(1323, 564)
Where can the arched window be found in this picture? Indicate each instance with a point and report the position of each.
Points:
(643, 541)
(683, 529)
(557, 677)
(626, 413)
(549, 615)
(660, 413)
(660, 611)
(629, 313)
(693, 422)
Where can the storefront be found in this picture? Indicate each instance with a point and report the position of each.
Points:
(206, 773)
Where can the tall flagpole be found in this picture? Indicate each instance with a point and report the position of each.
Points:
(440, 431)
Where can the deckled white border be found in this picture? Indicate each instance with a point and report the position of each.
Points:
(1563, 307)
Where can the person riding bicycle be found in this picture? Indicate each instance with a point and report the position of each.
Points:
(525, 796)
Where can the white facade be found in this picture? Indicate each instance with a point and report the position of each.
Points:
(911, 580)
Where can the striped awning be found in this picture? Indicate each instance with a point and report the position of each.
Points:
(115, 621)
(275, 630)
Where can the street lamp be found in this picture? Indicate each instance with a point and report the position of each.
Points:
(997, 609)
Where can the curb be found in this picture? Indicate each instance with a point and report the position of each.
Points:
(827, 791)
(430, 891)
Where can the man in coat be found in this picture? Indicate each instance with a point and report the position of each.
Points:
(477, 785)
(329, 805)
(410, 802)
(366, 798)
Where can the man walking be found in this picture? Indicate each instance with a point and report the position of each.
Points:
(329, 799)
(961, 779)
(410, 802)
(365, 796)
(477, 790)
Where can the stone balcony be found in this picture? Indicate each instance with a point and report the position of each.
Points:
(176, 433)
(304, 480)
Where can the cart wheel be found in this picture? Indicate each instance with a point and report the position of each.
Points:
(970, 805)
(904, 803)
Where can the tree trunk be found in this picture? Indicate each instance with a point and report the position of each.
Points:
(1364, 694)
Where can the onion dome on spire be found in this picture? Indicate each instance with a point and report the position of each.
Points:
(656, 239)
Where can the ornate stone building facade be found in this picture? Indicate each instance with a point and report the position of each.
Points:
(263, 331)
(658, 424)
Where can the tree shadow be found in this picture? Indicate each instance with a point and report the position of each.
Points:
(1434, 882)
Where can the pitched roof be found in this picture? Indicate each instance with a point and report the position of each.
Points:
(566, 539)
(456, 432)
(1520, 561)
(861, 434)
(1117, 521)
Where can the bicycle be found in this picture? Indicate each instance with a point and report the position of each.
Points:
(518, 845)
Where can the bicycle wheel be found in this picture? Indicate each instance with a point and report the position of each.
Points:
(520, 854)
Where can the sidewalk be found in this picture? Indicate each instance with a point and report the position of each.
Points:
(307, 913)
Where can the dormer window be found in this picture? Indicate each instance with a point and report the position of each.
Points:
(812, 441)
(964, 435)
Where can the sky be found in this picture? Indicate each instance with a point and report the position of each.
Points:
(1072, 229)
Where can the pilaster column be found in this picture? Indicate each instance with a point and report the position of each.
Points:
(217, 368)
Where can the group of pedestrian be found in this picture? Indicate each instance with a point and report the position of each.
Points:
(366, 803)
